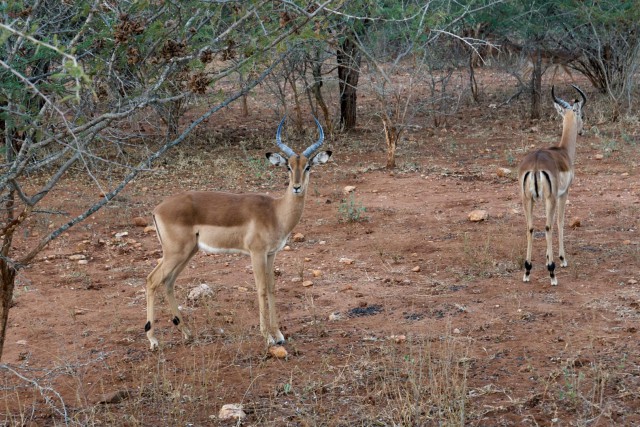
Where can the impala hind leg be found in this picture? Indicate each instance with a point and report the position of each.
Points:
(165, 272)
(548, 233)
(528, 215)
(562, 201)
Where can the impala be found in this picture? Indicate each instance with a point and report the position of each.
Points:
(218, 222)
(547, 174)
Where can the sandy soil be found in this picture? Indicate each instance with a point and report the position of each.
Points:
(429, 321)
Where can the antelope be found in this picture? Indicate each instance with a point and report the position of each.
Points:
(558, 59)
(547, 174)
(218, 222)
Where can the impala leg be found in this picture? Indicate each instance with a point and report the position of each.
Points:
(562, 201)
(548, 232)
(166, 272)
(528, 215)
(274, 329)
(259, 263)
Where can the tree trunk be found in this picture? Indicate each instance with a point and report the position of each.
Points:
(316, 71)
(349, 59)
(7, 283)
(536, 87)
(391, 136)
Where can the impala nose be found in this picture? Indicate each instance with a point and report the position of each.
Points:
(297, 189)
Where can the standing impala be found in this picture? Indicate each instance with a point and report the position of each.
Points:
(216, 222)
(547, 174)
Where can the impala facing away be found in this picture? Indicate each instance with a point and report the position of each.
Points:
(217, 222)
(547, 174)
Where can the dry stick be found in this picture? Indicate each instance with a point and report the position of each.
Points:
(43, 392)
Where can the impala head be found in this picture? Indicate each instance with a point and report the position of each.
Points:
(563, 107)
(299, 165)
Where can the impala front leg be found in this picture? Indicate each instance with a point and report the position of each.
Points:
(259, 263)
(274, 329)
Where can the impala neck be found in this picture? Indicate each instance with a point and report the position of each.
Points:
(290, 208)
(569, 134)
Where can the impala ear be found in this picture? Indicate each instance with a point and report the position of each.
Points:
(559, 108)
(321, 158)
(276, 159)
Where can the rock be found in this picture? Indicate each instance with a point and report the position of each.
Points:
(114, 397)
(140, 221)
(201, 291)
(278, 351)
(456, 331)
(122, 234)
(575, 222)
(77, 257)
(598, 157)
(286, 248)
(348, 189)
(333, 317)
(478, 215)
(632, 281)
(502, 172)
(298, 237)
(398, 339)
(83, 262)
(316, 273)
(346, 261)
(346, 288)
(626, 242)
(307, 283)
(149, 229)
(416, 269)
(21, 342)
(231, 411)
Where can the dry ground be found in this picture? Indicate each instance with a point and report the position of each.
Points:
(482, 348)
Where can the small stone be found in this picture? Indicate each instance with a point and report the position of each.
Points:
(333, 317)
(478, 215)
(298, 237)
(416, 269)
(201, 291)
(286, 248)
(316, 273)
(346, 261)
(231, 411)
(77, 257)
(632, 281)
(456, 331)
(114, 397)
(278, 351)
(122, 234)
(502, 172)
(575, 222)
(346, 288)
(307, 283)
(348, 189)
(83, 262)
(398, 339)
(598, 157)
(626, 242)
(140, 222)
(149, 229)
(21, 342)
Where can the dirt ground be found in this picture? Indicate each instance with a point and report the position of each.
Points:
(414, 316)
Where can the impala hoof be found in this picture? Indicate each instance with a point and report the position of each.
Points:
(154, 344)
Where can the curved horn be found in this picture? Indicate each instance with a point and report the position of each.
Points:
(584, 98)
(311, 149)
(559, 101)
(286, 150)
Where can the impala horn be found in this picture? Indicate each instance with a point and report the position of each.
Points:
(559, 101)
(312, 149)
(584, 98)
(286, 150)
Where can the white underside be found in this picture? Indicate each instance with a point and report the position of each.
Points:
(211, 250)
